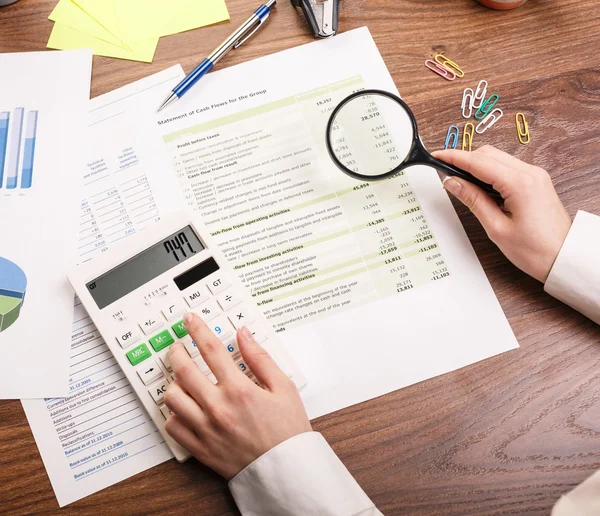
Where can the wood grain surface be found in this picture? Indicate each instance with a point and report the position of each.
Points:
(505, 436)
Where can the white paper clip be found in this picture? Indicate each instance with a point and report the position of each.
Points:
(480, 94)
(489, 121)
(467, 103)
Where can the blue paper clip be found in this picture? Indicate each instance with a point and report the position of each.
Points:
(452, 131)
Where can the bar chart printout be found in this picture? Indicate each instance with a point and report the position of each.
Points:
(17, 148)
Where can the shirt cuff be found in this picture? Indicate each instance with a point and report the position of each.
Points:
(300, 476)
(575, 275)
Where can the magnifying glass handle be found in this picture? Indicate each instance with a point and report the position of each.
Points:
(450, 170)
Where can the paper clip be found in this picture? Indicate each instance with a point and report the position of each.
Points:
(487, 107)
(489, 121)
(468, 133)
(449, 65)
(467, 103)
(453, 131)
(523, 129)
(480, 94)
(447, 74)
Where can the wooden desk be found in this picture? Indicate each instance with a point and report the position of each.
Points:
(507, 435)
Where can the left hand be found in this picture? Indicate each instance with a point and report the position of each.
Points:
(229, 425)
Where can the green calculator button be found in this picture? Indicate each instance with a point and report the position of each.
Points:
(138, 354)
(179, 329)
(161, 340)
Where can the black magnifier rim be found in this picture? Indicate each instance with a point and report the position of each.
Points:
(378, 177)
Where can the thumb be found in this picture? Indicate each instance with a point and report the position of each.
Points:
(481, 205)
(260, 362)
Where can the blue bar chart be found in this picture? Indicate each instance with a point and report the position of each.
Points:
(17, 148)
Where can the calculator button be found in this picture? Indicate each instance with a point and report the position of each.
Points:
(150, 372)
(138, 354)
(208, 310)
(202, 365)
(164, 358)
(243, 367)
(195, 297)
(164, 410)
(212, 378)
(179, 330)
(128, 336)
(173, 309)
(232, 347)
(221, 327)
(228, 300)
(190, 345)
(240, 317)
(171, 378)
(161, 340)
(217, 284)
(157, 391)
(258, 333)
(151, 323)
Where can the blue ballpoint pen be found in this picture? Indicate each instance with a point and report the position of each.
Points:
(238, 38)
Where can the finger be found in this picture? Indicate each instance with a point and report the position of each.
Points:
(502, 177)
(260, 362)
(177, 429)
(503, 157)
(492, 218)
(185, 407)
(189, 376)
(211, 348)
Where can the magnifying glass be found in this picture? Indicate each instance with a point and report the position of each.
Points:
(372, 135)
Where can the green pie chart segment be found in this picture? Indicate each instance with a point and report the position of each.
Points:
(13, 283)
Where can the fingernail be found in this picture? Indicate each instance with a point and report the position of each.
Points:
(188, 318)
(246, 333)
(452, 185)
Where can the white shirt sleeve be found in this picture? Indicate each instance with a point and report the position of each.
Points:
(575, 275)
(300, 477)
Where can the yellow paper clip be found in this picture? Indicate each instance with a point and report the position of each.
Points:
(523, 129)
(468, 133)
(441, 59)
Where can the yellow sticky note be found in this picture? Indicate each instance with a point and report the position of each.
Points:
(67, 38)
(71, 15)
(103, 11)
(140, 19)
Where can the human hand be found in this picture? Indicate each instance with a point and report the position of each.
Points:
(228, 425)
(532, 224)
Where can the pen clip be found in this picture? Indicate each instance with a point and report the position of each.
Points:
(260, 23)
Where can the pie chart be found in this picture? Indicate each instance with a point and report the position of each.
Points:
(13, 284)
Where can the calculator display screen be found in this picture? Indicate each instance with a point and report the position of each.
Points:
(144, 267)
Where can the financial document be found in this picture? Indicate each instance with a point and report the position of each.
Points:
(374, 286)
(100, 434)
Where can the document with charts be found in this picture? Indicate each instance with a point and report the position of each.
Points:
(375, 285)
(100, 434)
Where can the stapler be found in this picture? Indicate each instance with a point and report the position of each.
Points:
(323, 16)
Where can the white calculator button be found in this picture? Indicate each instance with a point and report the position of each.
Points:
(193, 297)
(221, 327)
(208, 310)
(232, 347)
(202, 365)
(171, 378)
(228, 299)
(240, 317)
(173, 309)
(190, 345)
(150, 372)
(243, 367)
(212, 378)
(217, 283)
(157, 391)
(164, 358)
(127, 336)
(165, 411)
(258, 333)
(151, 323)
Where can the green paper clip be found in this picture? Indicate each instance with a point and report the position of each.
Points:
(487, 106)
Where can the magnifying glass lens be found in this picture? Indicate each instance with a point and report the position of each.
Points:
(371, 135)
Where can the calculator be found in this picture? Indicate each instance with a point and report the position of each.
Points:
(138, 292)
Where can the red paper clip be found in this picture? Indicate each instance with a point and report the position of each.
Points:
(449, 75)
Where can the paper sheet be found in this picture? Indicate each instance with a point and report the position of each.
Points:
(101, 434)
(373, 286)
(40, 138)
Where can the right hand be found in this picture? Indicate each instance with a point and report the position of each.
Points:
(532, 224)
